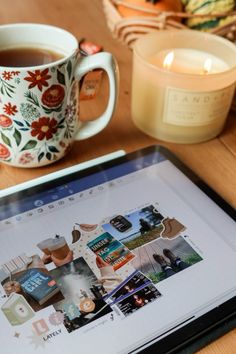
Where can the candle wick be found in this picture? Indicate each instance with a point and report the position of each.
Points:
(207, 66)
(168, 60)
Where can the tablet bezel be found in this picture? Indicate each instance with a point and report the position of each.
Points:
(181, 337)
(51, 183)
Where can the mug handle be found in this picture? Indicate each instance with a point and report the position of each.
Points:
(106, 62)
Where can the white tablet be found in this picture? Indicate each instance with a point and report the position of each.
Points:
(135, 254)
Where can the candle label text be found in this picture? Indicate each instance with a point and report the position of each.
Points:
(182, 107)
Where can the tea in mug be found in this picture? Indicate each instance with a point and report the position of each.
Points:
(28, 56)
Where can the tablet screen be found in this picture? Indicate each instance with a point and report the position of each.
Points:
(113, 258)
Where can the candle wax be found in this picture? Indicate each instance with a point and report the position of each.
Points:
(189, 61)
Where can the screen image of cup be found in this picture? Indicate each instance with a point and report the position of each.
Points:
(40, 68)
(59, 248)
(44, 246)
(12, 286)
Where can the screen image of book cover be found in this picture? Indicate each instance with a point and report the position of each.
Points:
(28, 288)
(112, 251)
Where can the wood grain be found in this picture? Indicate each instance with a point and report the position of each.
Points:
(214, 161)
(224, 345)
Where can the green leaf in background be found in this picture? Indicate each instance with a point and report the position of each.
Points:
(32, 98)
(50, 110)
(40, 156)
(17, 136)
(62, 121)
(19, 123)
(61, 78)
(53, 149)
(49, 156)
(29, 145)
(69, 68)
(6, 88)
(5, 139)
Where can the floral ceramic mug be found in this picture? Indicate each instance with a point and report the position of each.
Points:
(39, 104)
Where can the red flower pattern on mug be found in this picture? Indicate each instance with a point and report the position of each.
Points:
(4, 152)
(26, 158)
(70, 110)
(10, 109)
(38, 78)
(7, 75)
(5, 121)
(44, 128)
(53, 96)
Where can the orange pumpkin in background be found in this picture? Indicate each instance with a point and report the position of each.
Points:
(160, 5)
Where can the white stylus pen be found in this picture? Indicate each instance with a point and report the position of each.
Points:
(61, 173)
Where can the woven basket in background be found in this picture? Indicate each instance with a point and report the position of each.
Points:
(128, 29)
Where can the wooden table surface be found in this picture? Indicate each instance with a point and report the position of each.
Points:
(214, 161)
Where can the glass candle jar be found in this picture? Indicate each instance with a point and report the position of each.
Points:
(183, 84)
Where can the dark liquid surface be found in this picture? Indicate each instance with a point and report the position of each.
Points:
(22, 57)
